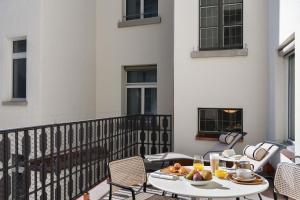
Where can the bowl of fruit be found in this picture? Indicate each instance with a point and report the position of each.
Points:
(198, 177)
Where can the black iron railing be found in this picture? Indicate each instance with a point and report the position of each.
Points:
(62, 161)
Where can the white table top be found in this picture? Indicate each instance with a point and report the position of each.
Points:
(218, 188)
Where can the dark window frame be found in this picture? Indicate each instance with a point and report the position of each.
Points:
(221, 28)
(216, 134)
(16, 94)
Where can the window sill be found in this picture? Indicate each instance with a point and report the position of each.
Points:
(220, 53)
(15, 102)
(212, 138)
(139, 22)
(207, 138)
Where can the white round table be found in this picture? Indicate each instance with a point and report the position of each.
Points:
(218, 188)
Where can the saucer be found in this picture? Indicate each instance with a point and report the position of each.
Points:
(235, 177)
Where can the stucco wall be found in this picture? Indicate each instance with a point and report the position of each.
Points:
(139, 45)
(68, 60)
(219, 82)
(19, 19)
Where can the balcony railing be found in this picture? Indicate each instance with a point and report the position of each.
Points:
(62, 161)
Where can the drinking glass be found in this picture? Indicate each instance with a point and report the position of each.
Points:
(214, 162)
(221, 172)
(198, 163)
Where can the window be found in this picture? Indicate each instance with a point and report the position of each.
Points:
(19, 69)
(212, 121)
(291, 98)
(137, 9)
(141, 90)
(221, 24)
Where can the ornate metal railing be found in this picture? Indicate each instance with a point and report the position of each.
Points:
(62, 161)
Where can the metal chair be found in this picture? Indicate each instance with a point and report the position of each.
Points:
(287, 181)
(127, 173)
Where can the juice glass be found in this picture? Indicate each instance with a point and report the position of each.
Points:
(214, 162)
(221, 172)
(198, 163)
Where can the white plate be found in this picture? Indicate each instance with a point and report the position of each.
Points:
(197, 182)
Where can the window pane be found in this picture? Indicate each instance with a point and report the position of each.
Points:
(233, 24)
(291, 91)
(209, 38)
(150, 8)
(150, 101)
(19, 78)
(19, 46)
(133, 101)
(141, 76)
(208, 25)
(208, 2)
(133, 8)
(232, 1)
(214, 120)
(233, 37)
(232, 15)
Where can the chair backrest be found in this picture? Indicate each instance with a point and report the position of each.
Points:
(128, 172)
(237, 138)
(223, 146)
(271, 148)
(287, 180)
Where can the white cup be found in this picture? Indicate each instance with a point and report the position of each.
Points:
(244, 173)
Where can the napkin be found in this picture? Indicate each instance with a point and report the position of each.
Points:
(164, 176)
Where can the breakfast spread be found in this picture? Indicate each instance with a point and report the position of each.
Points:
(199, 176)
(176, 169)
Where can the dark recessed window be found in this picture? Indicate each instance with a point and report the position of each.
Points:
(221, 24)
(19, 69)
(141, 90)
(213, 121)
(137, 9)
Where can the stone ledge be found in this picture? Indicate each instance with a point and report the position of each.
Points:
(15, 102)
(220, 53)
(139, 22)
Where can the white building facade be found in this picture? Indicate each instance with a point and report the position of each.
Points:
(103, 58)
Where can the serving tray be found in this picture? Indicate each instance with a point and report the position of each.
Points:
(258, 180)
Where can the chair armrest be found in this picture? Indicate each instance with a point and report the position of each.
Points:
(295, 159)
(123, 187)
